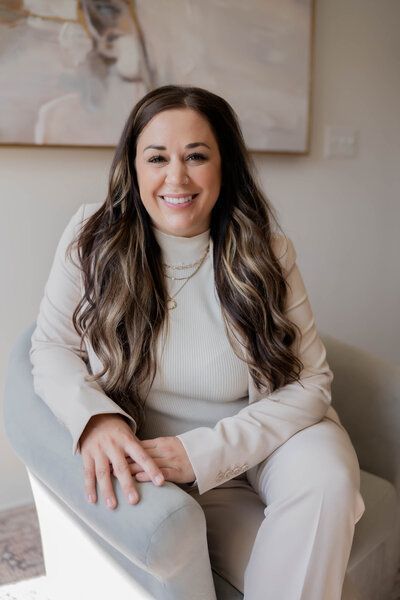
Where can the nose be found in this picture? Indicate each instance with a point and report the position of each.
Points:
(176, 173)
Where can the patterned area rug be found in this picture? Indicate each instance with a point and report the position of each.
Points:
(22, 572)
(21, 554)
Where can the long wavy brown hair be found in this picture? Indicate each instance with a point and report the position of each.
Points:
(123, 309)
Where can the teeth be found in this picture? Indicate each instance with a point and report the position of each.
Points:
(177, 200)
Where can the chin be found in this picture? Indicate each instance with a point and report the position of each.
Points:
(182, 231)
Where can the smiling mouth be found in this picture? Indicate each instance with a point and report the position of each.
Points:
(176, 201)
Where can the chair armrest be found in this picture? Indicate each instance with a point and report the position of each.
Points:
(145, 532)
(366, 395)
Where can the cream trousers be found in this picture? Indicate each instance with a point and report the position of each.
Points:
(284, 529)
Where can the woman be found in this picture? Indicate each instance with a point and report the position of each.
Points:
(207, 370)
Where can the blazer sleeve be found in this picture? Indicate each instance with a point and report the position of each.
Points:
(239, 442)
(58, 366)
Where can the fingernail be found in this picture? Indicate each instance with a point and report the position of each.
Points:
(132, 497)
(159, 479)
(110, 502)
(90, 498)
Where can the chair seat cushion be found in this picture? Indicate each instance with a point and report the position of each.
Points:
(379, 518)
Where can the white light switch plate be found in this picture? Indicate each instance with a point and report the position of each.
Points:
(340, 142)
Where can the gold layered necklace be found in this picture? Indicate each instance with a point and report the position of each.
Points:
(171, 302)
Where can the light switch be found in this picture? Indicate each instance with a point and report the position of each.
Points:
(340, 142)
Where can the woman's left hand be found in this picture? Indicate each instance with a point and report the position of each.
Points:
(170, 455)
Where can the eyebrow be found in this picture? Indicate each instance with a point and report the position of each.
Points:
(191, 145)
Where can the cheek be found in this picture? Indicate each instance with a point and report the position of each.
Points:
(147, 180)
(211, 178)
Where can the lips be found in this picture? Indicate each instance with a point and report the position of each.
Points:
(179, 196)
(179, 201)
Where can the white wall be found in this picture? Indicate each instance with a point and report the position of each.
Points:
(342, 214)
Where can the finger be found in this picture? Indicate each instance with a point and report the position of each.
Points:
(89, 478)
(134, 468)
(142, 477)
(153, 453)
(102, 468)
(168, 473)
(122, 471)
(149, 443)
(160, 462)
(128, 460)
(148, 464)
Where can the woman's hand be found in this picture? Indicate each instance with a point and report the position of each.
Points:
(170, 456)
(105, 443)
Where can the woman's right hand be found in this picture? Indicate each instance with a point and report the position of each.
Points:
(105, 443)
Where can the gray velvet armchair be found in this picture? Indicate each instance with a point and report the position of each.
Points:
(132, 551)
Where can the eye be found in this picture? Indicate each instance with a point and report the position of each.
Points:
(197, 156)
(154, 159)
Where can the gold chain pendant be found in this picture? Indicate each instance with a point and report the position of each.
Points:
(171, 303)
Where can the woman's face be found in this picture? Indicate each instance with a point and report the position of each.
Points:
(177, 156)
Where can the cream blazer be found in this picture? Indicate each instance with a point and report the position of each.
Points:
(217, 454)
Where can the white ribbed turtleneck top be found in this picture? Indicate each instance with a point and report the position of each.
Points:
(199, 378)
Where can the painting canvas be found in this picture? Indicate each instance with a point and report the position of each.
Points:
(71, 70)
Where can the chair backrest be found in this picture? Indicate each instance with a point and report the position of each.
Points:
(366, 396)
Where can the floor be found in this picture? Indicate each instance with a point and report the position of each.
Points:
(20, 546)
(21, 554)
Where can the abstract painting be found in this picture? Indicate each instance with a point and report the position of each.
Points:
(71, 70)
